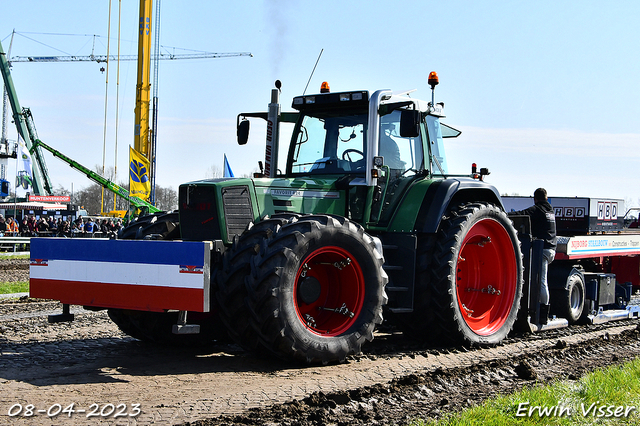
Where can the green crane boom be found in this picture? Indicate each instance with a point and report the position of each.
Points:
(40, 183)
(136, 203)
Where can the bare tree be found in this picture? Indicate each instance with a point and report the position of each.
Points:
(91, 198)
(166, 198)
(214, 172)
(61, 190)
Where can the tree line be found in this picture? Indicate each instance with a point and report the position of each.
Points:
(92, 197)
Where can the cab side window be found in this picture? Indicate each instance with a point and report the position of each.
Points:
(402, 155)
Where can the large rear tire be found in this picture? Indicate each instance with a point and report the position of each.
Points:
(470, 289)
(316, 290)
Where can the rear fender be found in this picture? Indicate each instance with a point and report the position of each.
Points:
(443, 195)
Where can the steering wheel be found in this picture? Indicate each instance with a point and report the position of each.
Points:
(408, 170)
(346, 156)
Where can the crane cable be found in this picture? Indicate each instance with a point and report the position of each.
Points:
(106, 97)
(115, 161)
(154, 120)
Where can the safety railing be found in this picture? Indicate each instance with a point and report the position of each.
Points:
(15, 243)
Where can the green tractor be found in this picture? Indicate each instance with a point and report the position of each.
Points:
(363, 219)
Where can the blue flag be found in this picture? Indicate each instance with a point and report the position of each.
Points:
(227, 168)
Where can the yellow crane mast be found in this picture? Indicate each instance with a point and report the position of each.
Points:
(143, 87)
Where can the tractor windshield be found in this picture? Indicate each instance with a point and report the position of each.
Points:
(329, 144)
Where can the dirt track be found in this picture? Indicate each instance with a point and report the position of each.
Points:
(90, 362)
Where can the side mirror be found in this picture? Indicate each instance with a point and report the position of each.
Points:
(243, 132)
(409, 123)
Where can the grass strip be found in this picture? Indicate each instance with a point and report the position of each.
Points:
(14, 287)
(10, 255)
(608, 396)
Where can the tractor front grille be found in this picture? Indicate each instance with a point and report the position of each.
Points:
(198, 213)
(200, 210)
(238, 212)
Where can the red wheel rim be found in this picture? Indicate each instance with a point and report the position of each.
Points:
(486, 277)
(337, 280)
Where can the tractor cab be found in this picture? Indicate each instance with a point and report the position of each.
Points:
(332, 135)
(376, 144)
(371, 145)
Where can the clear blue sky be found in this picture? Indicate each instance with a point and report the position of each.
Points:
(545, 92)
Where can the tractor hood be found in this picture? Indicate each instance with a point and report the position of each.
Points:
(220, 209)
(302, 195)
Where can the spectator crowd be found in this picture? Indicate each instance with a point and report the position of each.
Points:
(30, 226)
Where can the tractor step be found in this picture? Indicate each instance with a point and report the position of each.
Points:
(550, 325)
(400, 256)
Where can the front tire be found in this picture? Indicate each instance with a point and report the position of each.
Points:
(316, 290)
(157, 327)
(156, 226)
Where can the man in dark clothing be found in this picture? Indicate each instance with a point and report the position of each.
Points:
(24, 228)
(543, 227)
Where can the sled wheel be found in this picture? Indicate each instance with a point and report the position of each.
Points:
(317, 290)
(570, 301)
(477, 275)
